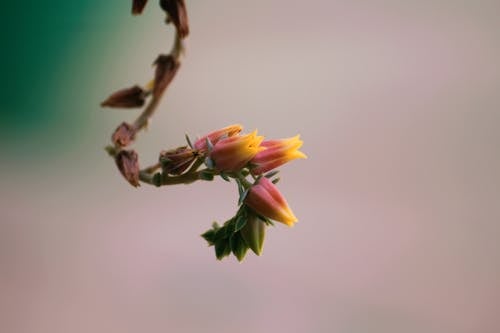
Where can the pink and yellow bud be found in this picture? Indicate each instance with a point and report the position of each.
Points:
(266, 200)
(216, 136)
(276, 153)
(234, 152)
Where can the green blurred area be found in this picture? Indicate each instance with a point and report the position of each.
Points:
(49, 52)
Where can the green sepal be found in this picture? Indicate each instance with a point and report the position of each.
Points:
(209, 162)
(241, 188)
(157, 179)
(266, 220)
(263, 218)
(210, 146)
(222, 248)
(165, 163)
(224, 176)
(206, 175)
(271, 174)
(164, 160)
(111, 150)
(190, 144)
(242, 197)
(275, 181)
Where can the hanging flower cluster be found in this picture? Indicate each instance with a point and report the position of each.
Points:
(239, 157)
(246, 159)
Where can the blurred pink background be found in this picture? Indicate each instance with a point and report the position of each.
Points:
(399, 216)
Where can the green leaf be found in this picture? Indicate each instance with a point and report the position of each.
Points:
(238, 246)
(220, 234)
(240, 222)
(209, 236)
(276, 180)
(222, 248)
(242, 197)
(223, 232)
(227, 250)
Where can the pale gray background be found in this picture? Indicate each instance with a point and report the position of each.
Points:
(398, 105)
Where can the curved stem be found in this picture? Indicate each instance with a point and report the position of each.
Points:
(186, 178)
(148, 112)
(150, 109)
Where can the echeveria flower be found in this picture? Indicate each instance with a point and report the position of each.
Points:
(216, 136)
(233, 153)
(265, 199)
(277, 152)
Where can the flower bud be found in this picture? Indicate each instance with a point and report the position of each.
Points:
(132, 97)
(233, 153)
(265, 199)
(216, 136)
(123, 135)
(254, 233)
(176, 10)
(176, 161)
(127, 162)
(166, 67)
(138, 6)
(277, 152)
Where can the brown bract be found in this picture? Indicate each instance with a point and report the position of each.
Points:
(127, 162)
(177, 13)
(138, 6)
(123, 135)
(166, 67)
(132, 97)
(176, 161)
